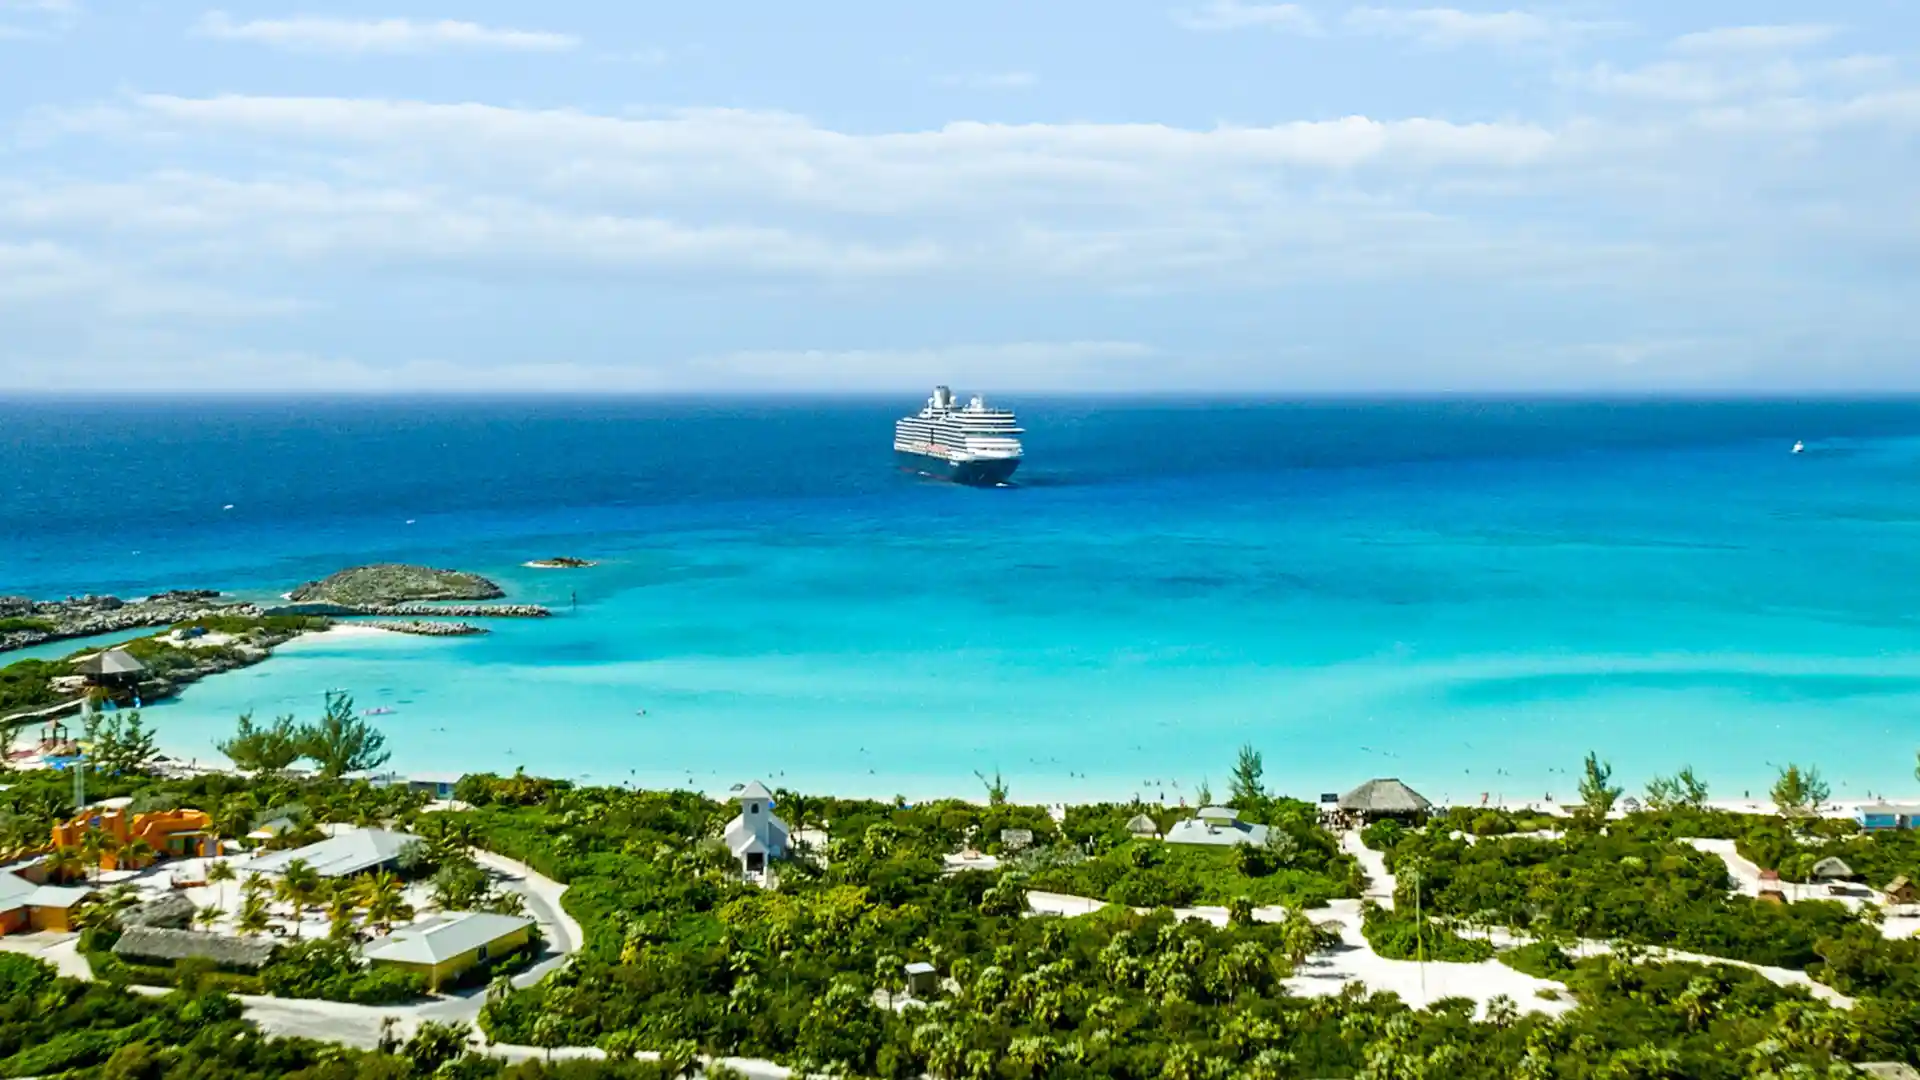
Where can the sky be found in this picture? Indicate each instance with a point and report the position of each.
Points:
(1080, 195)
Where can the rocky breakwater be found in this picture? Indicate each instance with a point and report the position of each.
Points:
(25, 622)
(430, 629)
(461, 611)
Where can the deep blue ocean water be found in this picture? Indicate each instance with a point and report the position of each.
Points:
(1469, 594)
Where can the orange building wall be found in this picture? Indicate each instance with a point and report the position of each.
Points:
(156, 829)
(12, 922)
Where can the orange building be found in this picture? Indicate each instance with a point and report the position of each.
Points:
(168, 833)
(28, 905)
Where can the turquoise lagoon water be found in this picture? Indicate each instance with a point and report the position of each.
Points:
(1466, 594)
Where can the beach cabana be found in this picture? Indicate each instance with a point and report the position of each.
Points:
(115, 669)
(1384, 798)
(170, 912)
(1142, 827)
(1831, 869)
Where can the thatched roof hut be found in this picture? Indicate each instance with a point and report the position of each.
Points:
(172, 912)
(1142, 826)
(1900, 890)
(1832, 868)
(151, 944)
(114, 663)
(1384, 798)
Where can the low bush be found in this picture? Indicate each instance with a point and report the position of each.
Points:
(1540, 959)
(1397, 936)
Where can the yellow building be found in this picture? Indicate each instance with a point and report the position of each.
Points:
(27, 906)
(442, 948)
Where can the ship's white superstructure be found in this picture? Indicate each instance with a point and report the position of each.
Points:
(972, 442)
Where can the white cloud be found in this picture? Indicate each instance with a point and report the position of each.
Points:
(37, 273)
(1237, 15)
(349, 36)
(1755, 38)
(997, 80)
(1011, 366)
(1448, 27)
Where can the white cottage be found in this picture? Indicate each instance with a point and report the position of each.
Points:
(756, 837)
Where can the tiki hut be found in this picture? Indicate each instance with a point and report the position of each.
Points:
(1389, 798)
(171, 912)
(1831, 869)
(114, 668)
(150, 945)
(1142, 827)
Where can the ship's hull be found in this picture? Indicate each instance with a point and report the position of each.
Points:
(987, 472)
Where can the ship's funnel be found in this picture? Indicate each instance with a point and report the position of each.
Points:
(942, 397)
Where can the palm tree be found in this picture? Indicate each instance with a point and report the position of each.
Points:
(255, 916)
(300, 886)
(209, 917)
(97, 847)
(385, 903)
(63, 863)
(136, 853)
(219, 872)
(341, 906)
(255, 885)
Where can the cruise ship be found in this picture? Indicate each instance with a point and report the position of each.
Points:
(968, 444)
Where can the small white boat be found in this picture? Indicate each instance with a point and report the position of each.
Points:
(1799, 448)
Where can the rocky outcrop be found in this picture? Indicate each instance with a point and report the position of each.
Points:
(560, 562)
(386, 584)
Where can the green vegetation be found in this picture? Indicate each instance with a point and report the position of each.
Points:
(1149, 873)
(393, 583)
(18, 624)
(1625, 884)
(340, 742)
(1397, 935)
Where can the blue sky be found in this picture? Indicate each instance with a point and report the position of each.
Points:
(1217, 195)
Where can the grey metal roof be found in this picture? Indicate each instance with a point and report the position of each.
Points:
(354, 851)
(1832, 867)
(445, 936)
(1386, 796)
(155, 943)
(1890, 808)
(111, 662)
(1215, 832)
(57, 896)
(14, 891)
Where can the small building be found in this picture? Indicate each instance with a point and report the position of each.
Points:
(1901, 891)
(159, 945)
(1770, 891)
(344, 854)
(446, 946)
(1142, 827)
(922, 980)
(1384, 798)
(756, 837)
(26, 906)
(1882, 817)
(1831, 869)
(114, 669)
(167, 833)
(1217, 826)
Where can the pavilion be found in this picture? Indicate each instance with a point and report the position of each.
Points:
(1384, 798)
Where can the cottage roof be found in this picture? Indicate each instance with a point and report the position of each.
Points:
(1142, 825)
(1832, 867)
(14, 891)
(753, 789)
(111, 662)
(919, 967)
(156, 943)
(1215, 832)
(172, 910)
(1897, 884)
(354, 851)
(1218, 813)
(57, 896)
(1887, 808)
(443, 937)
(1387, 796)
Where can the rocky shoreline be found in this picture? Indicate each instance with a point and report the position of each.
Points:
(86, 616)
(386, 584)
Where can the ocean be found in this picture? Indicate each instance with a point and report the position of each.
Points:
(1468, 594)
